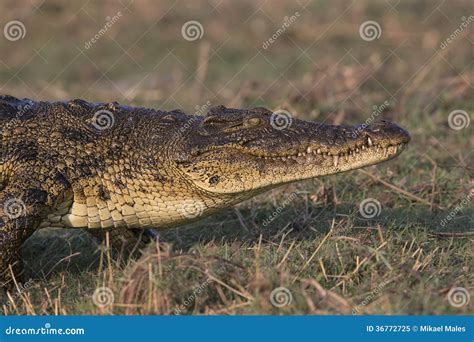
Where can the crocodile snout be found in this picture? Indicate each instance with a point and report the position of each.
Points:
(386, 133)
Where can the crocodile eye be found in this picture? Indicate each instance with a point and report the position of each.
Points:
(213, 120)
(169, 117)
(254, 121)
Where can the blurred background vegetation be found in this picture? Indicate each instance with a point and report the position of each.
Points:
(319, 63)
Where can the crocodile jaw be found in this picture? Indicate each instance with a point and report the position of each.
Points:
(305, 151)
(258, 172)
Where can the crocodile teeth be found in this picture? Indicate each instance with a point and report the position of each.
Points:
(307, 155)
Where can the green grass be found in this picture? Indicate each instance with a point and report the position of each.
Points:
(319, 247)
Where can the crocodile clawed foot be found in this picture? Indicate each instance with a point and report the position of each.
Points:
(128, 242)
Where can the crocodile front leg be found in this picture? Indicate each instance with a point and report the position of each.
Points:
(123, 240)
(19, 217)
(24, 203)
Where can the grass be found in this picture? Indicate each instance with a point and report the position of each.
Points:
(328, 257)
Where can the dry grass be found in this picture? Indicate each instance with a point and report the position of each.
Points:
(331, 259)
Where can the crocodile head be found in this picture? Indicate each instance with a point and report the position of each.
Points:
(233, 151)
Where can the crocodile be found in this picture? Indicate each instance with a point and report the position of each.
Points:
(115, 168)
